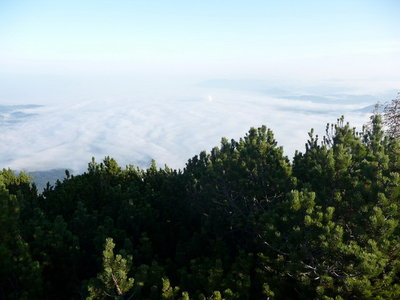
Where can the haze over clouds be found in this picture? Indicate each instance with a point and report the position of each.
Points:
(165, 80)
(170, 130)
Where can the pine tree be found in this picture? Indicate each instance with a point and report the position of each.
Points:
(392, 117)
(20, 276)
(113, 281)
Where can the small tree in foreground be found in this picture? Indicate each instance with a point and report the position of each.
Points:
(113, 282)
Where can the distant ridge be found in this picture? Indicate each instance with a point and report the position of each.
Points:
(41, 178)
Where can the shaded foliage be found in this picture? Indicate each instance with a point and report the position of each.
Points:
(240, 222)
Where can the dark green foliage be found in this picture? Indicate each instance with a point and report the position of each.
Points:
(241, 222)
(19, 273)
(113, 281)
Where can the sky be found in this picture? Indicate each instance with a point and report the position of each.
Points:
(138, 80)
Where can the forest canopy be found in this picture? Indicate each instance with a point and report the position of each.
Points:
(240, 222)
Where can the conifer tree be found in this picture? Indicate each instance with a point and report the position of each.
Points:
(113, 281)
(392, 117)
(20, 276)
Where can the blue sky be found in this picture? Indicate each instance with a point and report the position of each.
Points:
(166, 79)
(192, 36)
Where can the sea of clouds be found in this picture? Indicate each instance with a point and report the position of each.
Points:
(168, 128)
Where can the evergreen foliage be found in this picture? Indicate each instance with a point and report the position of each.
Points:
(392, 117)
(113, 282)
(240, 222)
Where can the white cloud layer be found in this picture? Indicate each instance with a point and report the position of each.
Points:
(167, 129)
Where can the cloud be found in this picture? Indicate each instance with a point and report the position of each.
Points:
(169, 129)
